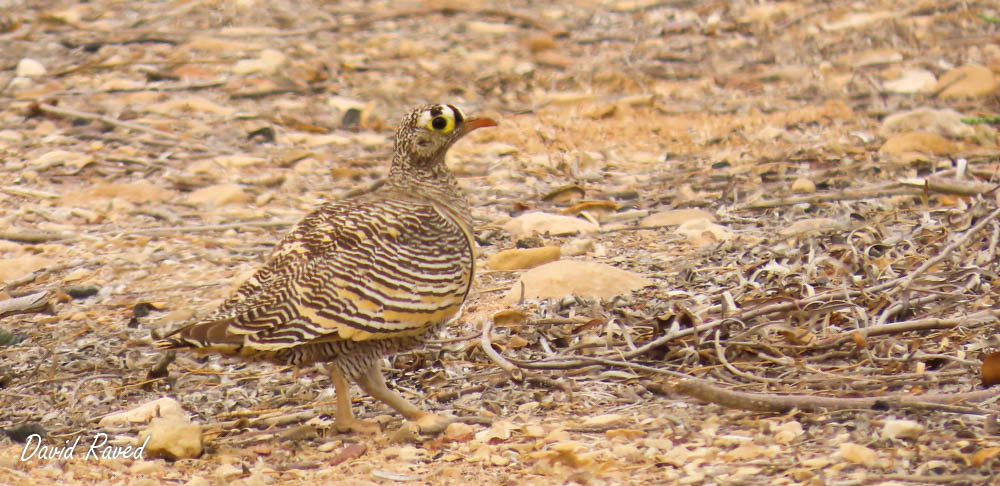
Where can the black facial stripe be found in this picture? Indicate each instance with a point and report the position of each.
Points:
(436, 111)
(458, 114)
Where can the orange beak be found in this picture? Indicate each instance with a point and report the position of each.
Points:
(474, 123)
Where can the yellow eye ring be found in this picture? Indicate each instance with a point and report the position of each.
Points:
(441, 124)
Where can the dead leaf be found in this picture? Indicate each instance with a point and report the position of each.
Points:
(592, 206)
(859, 339)
(983, 455)
(508, 318)
(564, 194)
(990, 369)
(349, 452)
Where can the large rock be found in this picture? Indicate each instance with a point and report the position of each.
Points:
(943, 121)
(913, 146)
(967, 81)
(541, 223)
(172, 438)
(570, 277)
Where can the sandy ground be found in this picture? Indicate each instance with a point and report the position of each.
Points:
(795, 179)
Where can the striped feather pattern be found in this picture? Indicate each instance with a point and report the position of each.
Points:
(380, 267)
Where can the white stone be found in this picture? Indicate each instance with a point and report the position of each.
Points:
(902, 429)
(30, 68)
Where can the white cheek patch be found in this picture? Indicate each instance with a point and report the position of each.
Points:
(425, 119)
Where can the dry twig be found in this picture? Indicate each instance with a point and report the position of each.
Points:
(761, 402)
(486, 344)
(28, 236)
(904, 282)
(37, 302)
(135, 127)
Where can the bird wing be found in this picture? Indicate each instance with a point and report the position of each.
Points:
(355, 270)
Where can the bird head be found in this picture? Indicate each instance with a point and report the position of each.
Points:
(426, 133)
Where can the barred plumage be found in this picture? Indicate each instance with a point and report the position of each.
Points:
(363, 277)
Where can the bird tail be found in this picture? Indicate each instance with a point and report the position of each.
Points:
(208, 335)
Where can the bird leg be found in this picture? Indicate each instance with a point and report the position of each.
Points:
(372, 382)
(345, 420)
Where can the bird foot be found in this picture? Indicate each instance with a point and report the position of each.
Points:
(418, 430)
(433, 424)
(357, 426)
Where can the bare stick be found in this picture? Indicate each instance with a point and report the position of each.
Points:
(584, 361)
(962, 188)
(487, 345)
(526, 19)
(828, 301)
(898, 307)
(721, 353)
(17, 282)
(761, 402)
(978, 318)
(924, 478)
(26, 192)
(887, 190)
(37, 302)
(905, 282)
(30, 236)
(197, 229)
(176, 87)
(79, 384)
(135, 127)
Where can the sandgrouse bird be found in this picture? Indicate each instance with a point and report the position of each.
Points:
(361, 278)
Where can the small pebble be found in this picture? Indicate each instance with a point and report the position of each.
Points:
(803, 186)
(29, 68)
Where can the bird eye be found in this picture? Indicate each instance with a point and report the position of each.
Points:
(441, 124)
